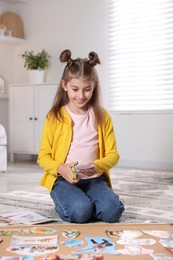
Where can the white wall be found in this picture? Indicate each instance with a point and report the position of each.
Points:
(57, 25)
(143, 140)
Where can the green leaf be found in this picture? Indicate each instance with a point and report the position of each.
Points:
(39, 61)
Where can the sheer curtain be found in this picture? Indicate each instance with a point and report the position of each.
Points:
(140, 55)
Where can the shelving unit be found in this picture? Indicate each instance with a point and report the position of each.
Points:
(12, 40)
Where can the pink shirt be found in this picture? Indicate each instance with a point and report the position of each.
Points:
(84, 145)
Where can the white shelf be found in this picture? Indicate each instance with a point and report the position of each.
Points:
(12, 40)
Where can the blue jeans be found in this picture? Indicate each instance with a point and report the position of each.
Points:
(88, 200)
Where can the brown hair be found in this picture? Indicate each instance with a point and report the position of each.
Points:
(76, 68)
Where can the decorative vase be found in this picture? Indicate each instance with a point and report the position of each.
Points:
(36, 76)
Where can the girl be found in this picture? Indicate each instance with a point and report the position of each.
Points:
(78, 131)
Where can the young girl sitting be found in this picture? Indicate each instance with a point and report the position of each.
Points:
(79, 132)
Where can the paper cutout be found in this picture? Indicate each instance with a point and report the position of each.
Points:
(101, 245)
(11, 232)
(124, 234)
(72, 243)
(4, 221)
(166, 242)
(137, 242)
(161, 257)
(112, 233)
(33, 250)
(43, 230)
(34, 246)
(75, 257)
(170, 249)
(17, 258)
(43, 240)
(159, 233)
(70, 233)
(135, 250)
(23, 217)
(34, 230)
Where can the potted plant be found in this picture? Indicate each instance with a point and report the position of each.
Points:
(36, 64)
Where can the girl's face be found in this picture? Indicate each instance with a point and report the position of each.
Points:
(79, 92)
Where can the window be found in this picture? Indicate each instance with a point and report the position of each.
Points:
(141, 55)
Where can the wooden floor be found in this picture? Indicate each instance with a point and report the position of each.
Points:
(20, 176)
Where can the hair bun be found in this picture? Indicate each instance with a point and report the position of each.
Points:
(93, 58)
(66, 56)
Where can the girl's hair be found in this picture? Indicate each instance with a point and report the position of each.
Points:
(79, 68)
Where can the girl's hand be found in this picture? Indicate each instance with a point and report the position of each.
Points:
(90, 171)
(67, 172)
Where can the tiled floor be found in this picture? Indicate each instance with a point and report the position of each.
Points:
(20, 176)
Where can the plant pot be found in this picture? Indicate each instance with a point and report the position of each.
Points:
(36, 76)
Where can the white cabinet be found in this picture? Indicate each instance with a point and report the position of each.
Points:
(12, 40)
(28, 107)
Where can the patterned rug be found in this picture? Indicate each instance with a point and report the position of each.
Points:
(147, 196)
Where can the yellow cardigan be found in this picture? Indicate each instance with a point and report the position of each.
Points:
(55, 143)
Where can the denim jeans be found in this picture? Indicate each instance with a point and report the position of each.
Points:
(88, 200)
